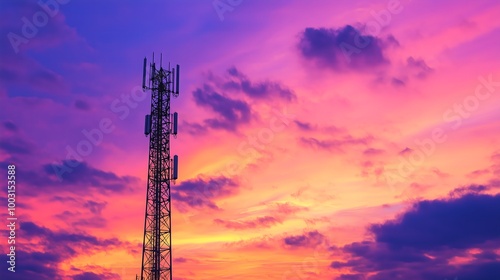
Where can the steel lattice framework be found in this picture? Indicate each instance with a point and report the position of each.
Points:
(157, 242)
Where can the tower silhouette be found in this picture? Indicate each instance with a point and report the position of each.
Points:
(162, 169)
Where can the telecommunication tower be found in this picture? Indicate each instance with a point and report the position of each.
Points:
(162, 169)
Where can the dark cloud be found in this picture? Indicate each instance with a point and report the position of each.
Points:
(310, 127)
(418, 67)
(342, 49)
(304, 126)
(63, 199)
(181, 260)
(391, 41)
(231, 112)
(79, 179)
(458, 192)
(41, 260)
(201, 193)
(16, 146)
(420, 243)
(95, 207)
(351, 277)
(225, 96)
(334, 144)
(10, 126)
(413, 68)
(258, 90)
(309, 239)
(67, 242)
(82, 105)
(83, 174)
(457, 227)
(474, 271)
(34, 265)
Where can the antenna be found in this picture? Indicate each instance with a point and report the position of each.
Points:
(153, 68)
(176, 168)
(144, 74)
(178, 73)
(176, 117)
(147, 125)
(171, 80)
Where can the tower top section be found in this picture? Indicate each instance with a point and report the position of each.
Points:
(166, 79)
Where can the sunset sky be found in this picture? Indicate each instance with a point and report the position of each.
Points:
(347, 140)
